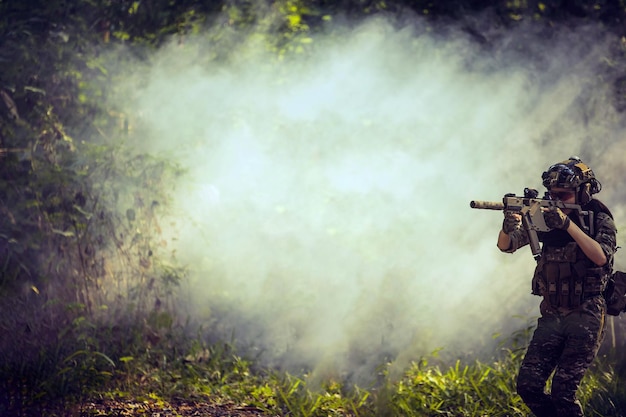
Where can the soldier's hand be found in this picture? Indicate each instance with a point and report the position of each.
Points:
(512, 221)
(556, 219)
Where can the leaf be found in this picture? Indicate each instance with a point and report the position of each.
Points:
(102, 355)
(63, 233)
(8, 101)
(294, 20)
(83, 212)
(34, 90)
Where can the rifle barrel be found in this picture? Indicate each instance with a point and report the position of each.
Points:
(487, 205)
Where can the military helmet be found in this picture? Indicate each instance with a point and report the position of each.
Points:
(572, 173)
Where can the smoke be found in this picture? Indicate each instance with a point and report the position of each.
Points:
(325, 213)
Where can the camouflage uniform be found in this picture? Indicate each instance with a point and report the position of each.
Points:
(573, 310)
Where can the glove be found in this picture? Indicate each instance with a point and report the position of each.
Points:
(512, 221)
(556, 219)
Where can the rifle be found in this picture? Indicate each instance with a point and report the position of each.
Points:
(531, 208)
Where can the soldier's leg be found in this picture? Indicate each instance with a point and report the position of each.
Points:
(585, 336)
(539, 362)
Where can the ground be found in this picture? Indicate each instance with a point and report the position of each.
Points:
(181, 408)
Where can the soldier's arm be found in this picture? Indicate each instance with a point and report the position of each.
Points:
(601, 247)
(589, 246)
(504, 241)
(606, 235)
(512, 241)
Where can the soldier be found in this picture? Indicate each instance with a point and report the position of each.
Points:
(571, 275)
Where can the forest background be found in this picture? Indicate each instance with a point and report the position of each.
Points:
(263, 206)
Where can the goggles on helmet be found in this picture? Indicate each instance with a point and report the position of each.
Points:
(567, 174)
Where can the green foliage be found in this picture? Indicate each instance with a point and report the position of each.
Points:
(461, 390)
(178, 367)
(603, 391)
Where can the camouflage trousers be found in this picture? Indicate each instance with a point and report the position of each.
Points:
(565, 344)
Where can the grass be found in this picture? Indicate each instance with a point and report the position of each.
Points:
(83, 369)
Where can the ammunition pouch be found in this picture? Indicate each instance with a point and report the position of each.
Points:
(563, 277)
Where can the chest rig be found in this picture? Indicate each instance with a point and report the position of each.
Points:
(565, 277)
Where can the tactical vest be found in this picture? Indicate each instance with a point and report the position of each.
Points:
(565, 277)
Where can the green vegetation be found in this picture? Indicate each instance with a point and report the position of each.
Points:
(86, 277)
(68, 384)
